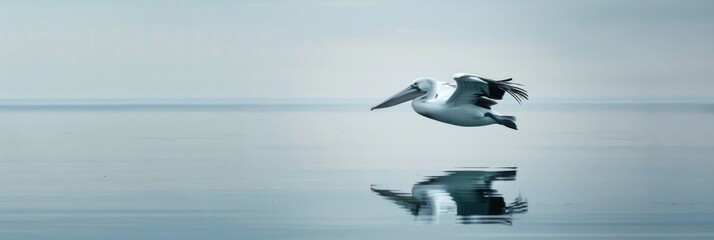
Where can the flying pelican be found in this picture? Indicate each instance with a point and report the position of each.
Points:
(467, 104)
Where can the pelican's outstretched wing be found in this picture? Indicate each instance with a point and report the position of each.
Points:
(472, 89)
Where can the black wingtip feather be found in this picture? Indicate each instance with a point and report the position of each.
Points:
(498, 87)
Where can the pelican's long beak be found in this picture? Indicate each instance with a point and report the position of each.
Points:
(407, 94)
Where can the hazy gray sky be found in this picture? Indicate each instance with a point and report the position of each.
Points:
(351, 48)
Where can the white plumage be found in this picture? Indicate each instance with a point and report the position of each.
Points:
(467, 104)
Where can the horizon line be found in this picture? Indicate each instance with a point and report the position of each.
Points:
(313, 101)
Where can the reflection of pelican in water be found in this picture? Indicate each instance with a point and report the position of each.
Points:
(467, 192)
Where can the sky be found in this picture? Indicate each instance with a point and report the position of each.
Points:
(351, 49)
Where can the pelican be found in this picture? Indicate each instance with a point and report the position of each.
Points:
(468, 104)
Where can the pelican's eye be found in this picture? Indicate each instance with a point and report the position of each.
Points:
(416, 86)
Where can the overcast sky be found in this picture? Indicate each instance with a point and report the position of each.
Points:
(351, 48)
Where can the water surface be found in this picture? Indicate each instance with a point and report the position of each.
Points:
(339, 171)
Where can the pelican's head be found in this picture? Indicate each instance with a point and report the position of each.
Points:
(418, 88)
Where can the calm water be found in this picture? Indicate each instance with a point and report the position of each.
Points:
(315, 171)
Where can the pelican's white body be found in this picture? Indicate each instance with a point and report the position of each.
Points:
(433, 105)
(466, 104)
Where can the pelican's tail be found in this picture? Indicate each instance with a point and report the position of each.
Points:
(508, 121)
